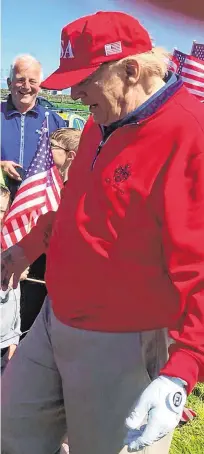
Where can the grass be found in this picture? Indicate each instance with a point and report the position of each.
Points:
(76, 106)
(83, 111)
(189, 439)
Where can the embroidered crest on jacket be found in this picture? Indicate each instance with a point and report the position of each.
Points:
(122, 173)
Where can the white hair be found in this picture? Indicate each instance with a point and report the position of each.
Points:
(26, 58)
(152, 63)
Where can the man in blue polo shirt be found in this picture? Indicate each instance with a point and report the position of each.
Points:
(22, 116)
(21, 122)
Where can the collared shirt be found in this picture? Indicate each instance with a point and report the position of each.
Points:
(20, 132)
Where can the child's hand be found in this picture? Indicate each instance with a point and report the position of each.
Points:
(13, 261)
(24, 274)
(11, 351)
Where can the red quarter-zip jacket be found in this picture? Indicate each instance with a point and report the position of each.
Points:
(127, 247)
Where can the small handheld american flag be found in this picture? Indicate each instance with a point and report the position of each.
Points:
(177, 61)
(191, 70)
(38, 193)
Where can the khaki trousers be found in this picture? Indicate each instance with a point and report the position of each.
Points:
(84, 383)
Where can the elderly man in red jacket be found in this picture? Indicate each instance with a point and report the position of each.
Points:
(125, 261)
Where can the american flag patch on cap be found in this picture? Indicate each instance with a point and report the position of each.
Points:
(113, 48)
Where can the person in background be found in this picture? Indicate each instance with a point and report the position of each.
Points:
(64, 144)
(119, 342)
(21, 121)
(10, 321)
(22, 116)
(4, 201)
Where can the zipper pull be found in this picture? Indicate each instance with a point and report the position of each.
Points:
(97, 153)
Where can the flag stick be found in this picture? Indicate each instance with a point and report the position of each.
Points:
(35, 280)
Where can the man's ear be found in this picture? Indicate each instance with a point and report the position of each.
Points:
(132, 69)
(9, 82)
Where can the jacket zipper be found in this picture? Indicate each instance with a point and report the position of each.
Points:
(105, 141)
(97, 153)
(22, 140)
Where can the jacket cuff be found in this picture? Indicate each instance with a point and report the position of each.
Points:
(16, 339)
(183, 365)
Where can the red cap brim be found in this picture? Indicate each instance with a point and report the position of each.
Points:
(60, 80)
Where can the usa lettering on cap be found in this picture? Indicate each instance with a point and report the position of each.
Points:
(66, 52)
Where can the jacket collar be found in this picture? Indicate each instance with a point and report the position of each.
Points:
(11, 109)
(149, 107)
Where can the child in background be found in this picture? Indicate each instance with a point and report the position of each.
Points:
(4, 201)
(9, 300)
(64, 145)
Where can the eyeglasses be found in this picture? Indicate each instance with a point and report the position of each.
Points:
(54, 147)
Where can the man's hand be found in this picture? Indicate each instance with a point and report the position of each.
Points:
(9, 168)
(13, 262)
(161, 404)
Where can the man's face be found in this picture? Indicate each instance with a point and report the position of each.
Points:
(104, 91)
(4, 205)
(25, 85)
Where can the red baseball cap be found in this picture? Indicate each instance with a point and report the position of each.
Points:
(92, 40)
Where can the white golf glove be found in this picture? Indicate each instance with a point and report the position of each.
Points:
(13, 263)
(159, 408)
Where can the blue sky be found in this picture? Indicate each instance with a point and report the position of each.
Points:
(35, 27)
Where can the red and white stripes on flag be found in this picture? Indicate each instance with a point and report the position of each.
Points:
(113, 48)
(33, 199)
(191, 70)
(193, 76)
(38, 193)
